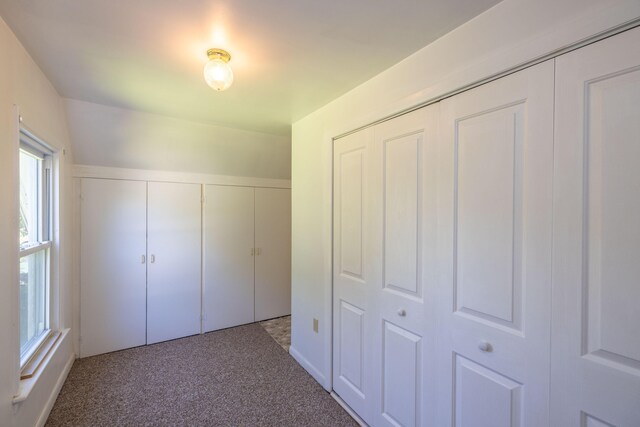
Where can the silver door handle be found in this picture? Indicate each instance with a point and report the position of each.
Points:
(485, 347)
(402, 312)
(153, 258)
(258, 251)
(143, 259)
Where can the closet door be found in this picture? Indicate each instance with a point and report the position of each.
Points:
(596, 289)
(228, 257)
(113, 248)
(495, 235)
(403, 218)
(273, 253)
(355, 275)
(174, 250)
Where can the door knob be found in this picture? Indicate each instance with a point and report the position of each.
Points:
(153, 259)
(402, 312)
(485, 347)
(143, 259)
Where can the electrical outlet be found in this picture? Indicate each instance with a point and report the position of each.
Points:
(315, 325)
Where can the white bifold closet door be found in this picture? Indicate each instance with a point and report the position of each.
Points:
(404, 220)
(228, 296)
(384, 253)
(493, 294)
(273, 253)
(595, 379)
(113, 267)
(174, 260)
(355, 277)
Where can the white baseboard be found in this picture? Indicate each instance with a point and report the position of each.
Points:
(348, 409)
(56, 390)
(312, 370)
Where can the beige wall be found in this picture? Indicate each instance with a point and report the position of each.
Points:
(511, 33)
(115, 137)
(23, 84)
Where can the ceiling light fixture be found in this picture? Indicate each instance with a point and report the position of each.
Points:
(217, 71)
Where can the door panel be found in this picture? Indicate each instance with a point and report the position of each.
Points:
(489, 207)
(401, 210)
(484, 398)
(402, 373)
(595, 340)
(273, 253)
(494, 223)
(228, 294)
(589, 421)
(351, 215)
(112, 265)
(353, 277)
(613, 213)
(174, 250)
(350, 360)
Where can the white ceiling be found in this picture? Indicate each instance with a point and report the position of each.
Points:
(289, 57)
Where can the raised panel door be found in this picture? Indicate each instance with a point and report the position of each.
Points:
(596, 340)
(493, 293)
(403, 220)
(353, 274)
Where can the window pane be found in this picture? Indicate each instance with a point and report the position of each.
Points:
(33, 297)
(30, 173)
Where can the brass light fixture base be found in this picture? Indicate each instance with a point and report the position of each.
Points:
(219, 54)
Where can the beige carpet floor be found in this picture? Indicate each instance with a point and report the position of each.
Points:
(235, 377)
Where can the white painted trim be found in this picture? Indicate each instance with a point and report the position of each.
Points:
(27, 385)
(350, 411)
(25, 129)
(312, 370)
(14, 363)
(587, 30)
(88, 171)
(328, 272)
(44, 415)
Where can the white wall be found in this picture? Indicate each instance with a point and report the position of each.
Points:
(23, 84)
(115, 137)
(511, 33)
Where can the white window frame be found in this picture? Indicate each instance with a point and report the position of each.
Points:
(36, 147)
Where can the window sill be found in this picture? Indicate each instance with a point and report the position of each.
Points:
(35, 361)
(33, 369)
(35, 348)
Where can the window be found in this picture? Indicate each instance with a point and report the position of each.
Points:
(35, 244)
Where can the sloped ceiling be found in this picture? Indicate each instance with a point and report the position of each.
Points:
(289, 57)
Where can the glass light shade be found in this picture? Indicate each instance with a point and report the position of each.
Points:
(218, 74)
